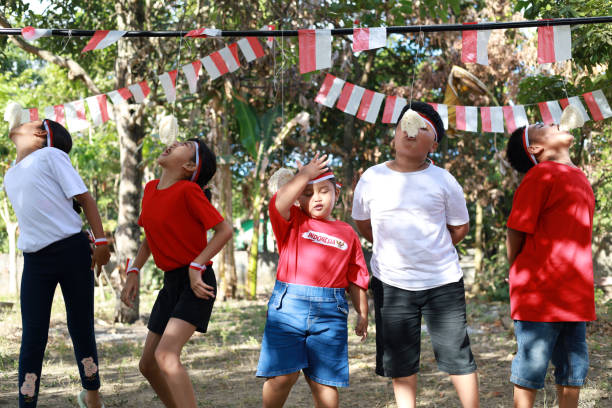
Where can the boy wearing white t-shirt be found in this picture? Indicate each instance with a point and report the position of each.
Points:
(414, 213)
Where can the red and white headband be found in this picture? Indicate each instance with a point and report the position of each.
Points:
(196, 173)
(433, 128)
(49, 133)
(325, 176)
(526, 145)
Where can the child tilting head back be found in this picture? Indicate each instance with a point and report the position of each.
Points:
(533, 144)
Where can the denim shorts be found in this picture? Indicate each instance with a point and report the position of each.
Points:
(306, 330)
(563, 343)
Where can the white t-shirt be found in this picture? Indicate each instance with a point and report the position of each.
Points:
(41, 187)
(413, 249)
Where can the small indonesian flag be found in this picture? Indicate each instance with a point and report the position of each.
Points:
(598, 104)
(140, 91)
(102, 39)
(330, 91)
(475, 46)
(75, 116)
(442, 110)
(192, 72)
(251, 48)
(575, 100)
(30, 33)
(168, 83)
(550, 111)
(229, 58)
(393, 107)
(467, 118)
(56, 113)
(314, 49)
(515, 116)
(370, 106)
(29, 115)
(350, 98)
(269, 40)
(98, 109)
(369, 38)
(492, 119)
(234, 50)
(554, 43)
(204, 32)
(119, 96)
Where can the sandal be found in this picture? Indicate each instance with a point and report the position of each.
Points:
(81, 399)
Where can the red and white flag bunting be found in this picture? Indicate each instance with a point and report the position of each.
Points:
(119, 96)
(231, 61)
(475, 46)
(30, 33)
(56, 113)
(515, 116)
(370, 106)
(29, 115)
(251, 48)
(575, 100)
(75, 116)
(330, 91)
(314, 49)
(140, 91)
(393, 107)
(102, 39)
(369, 38)
(98, 108)
(168, 83)
(269, 40)
(442, 110)
(350, 98)
(598, 104)
(550, 112)
(192, 72)
(554, 43)
(204, 32)
(492, 119)
(467, 118)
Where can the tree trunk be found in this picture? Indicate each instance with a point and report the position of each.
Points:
(251, 288)
(478, 250)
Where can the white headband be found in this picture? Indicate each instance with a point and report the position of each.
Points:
(196, 172)
(49, 137)
(526, 145)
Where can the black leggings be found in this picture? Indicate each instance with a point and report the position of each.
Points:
(67, 262)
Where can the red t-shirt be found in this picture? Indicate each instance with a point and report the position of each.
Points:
(551, 279)
(317, 252)
(175, 221)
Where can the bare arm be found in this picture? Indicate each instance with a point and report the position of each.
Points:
(131, 287)
(458, 232)
(101, 253)
(365, 229)
(223, 233)
(514, 243)
(359, 298)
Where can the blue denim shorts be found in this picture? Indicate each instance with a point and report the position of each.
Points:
(563, 343)
(306, 330)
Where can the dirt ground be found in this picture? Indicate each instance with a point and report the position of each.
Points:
(222, 362)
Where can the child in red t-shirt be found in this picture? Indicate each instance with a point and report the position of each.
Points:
(551, 269)
(320, 258)
(176, 215)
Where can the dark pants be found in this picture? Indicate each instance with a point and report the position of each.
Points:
(67, 262)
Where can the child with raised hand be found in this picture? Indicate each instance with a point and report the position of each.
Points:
(41, 186)
(176, 216)
(320, 259)
(551, 268)
(414, 213)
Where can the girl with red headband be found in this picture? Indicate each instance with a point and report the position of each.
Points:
(176, 216)
(41, 186)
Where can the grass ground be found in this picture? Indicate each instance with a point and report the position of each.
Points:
(222, 362)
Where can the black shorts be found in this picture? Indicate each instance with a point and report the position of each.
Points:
(176, 299)
(398, 315)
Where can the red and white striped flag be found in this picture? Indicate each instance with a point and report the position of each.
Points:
(231, 61)
(515, 116)
(30, 33)
(192, 72)
(140, 91)
(492, 119)
(554, 43)
(575, 100)
(369, 38)
(119, 96)
(102, 39)
(98, 109)
(314, 49)
(75, 116)
(29, 115)
(251, 48)
(370, 106)
(56, 113)
(204, 32)
(467, 118)
(269, 40)
(233, 47)
(350, 98)
(550, 111)
(475, 46)
(442, 110)
(393, 107)
(330, 91)
(168, 83)
(598, 104)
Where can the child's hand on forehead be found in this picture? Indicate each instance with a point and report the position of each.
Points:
(316, 167)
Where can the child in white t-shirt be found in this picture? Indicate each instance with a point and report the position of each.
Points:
(414, 213)
(41, 186)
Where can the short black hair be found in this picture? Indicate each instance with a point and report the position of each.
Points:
(515, 152)
(209, 166)
(427, 110)
(61, 137)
